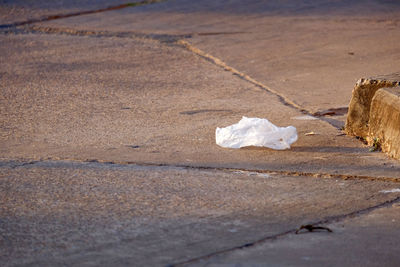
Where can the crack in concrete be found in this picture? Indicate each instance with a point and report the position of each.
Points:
(162, 38)
(80, 13)
(329, 220)
(241, 75)
(282, 98)
(197, 111)
(101, 163)
(215, 33)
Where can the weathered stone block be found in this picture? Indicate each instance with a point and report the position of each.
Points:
(360, 104)
(384, 121)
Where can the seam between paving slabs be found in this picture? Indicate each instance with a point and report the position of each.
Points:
(242, 75)
(329, 220)
(169, 38)
(162, 38)
(17, 163)
(282, 98)
(80, 13)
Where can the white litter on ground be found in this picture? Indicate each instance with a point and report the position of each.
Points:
(304, 118)
(248, 173)
(396, 190)
(256, 132)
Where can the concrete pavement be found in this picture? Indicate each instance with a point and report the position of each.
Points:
(108, 134)
(74, 214)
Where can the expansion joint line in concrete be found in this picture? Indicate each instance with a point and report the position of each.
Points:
(242, 75)
(95, 162)
(162, 38)
(80, 13)
(285, 100)
(329, 220)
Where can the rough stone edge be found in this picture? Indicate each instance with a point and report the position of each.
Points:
(357, 123)
(384, 122)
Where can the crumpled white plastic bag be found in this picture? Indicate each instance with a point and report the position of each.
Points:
(256, 132)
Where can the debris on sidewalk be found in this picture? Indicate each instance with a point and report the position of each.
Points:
(332, 112)
(304, 118)
(395, 190)
(312, 228)
(310, 133)
(376, 145)
(256, 132)
(250, 173)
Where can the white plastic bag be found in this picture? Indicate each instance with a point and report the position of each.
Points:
(256, 132)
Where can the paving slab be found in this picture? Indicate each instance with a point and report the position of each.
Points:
(366, 240)
(91, 214)
(138, 100)
(312, 53)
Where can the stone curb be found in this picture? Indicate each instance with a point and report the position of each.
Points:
(384, 121)
(374, 113)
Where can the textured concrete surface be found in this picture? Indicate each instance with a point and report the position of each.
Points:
(87, 98)
(94, 214)
(337, 42)
(107, 134)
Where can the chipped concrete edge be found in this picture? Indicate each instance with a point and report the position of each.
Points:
(374, 112)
